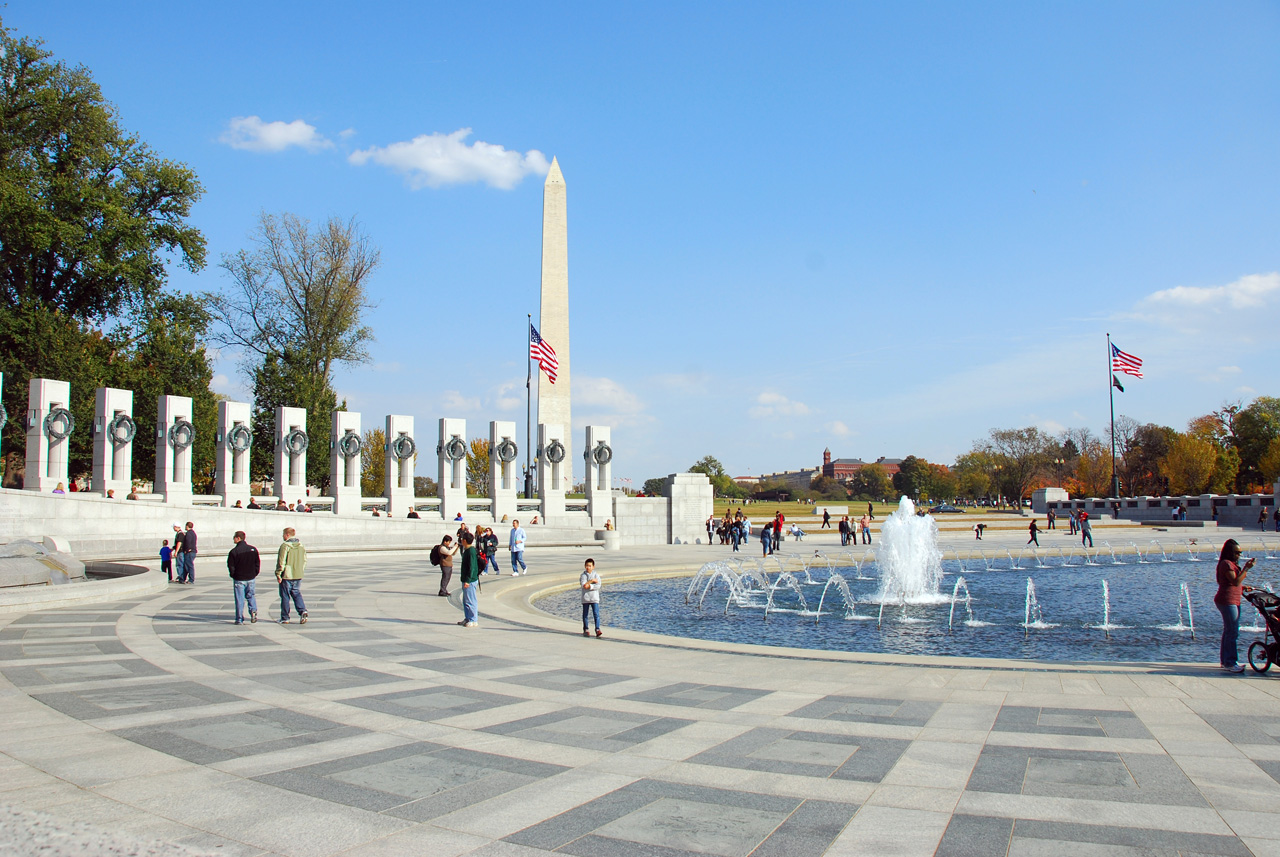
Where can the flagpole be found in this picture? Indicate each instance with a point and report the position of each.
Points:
(528, 417)
(1111, 392)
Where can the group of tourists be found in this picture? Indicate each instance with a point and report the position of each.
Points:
(849, 530)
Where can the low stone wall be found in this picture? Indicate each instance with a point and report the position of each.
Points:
(1234, 510)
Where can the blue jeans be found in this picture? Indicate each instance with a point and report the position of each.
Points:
(1229, 653)
(517, 558)
(470, 610)
(244, 595)
(493, 561)
(290, 590)
(1086, 534)
(593, 609)
(187, 567)
(178, 568)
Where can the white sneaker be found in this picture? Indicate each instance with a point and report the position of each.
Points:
(515, 574)
(470, 624)
(1238, 668)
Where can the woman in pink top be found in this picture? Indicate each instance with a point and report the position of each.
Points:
(1230, 588)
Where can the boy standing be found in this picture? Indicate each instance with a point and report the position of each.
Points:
(291, 561)
(166, 559)
(590, 583)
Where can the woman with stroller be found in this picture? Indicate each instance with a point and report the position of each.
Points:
(1230, 589)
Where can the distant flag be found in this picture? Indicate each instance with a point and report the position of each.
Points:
(541, 350)
(1125, 363)
(1115, 382)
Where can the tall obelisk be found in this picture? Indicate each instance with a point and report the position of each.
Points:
(553, 314)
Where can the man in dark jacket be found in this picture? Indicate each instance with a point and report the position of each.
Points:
(188, 552)
(244, 564)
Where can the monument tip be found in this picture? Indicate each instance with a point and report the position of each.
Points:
(554, 174)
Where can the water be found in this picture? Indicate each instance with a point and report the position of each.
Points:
(1142, 598)
(908, 558)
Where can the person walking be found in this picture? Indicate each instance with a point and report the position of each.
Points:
(871, 512)
(589, 581)
(777, 530)
(470, 582)
(515, 544)
(1262, 519)
(178, 558)
(766, 539)
(1071, 522)
(844, 531)
(1086, 529)
(1275, 516)
(1034, 533)
(488, 545)
(711, 525)
(291, 562)
(442, 556)
(1230, 589)
(826, 519)
(866, 529)
(243, 564)
(189, 551)
(735, 533)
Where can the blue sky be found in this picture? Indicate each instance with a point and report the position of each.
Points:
(883, 228)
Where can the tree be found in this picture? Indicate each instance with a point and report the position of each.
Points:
(299, 290)
(424, 486)
(975, 473)
(871, 482)
(655, 487)
(87, 212)
(1254, 428)
(1189, 464)
(284, 382)
(942, 485)
(912, 478)
(373, 462)
(1091, 476)
(1022, 455)
(1269, 463)
(828, 488)
(721, 482)
(478, 467)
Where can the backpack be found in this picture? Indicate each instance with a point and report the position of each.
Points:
(435, 555)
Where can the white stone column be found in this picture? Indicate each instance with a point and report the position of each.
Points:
(452, 482)
(400, 450)
(291, 453)
(48, 415)
(503, 458)
(553, 464)
(345, 456)
(114, 431)
(232, 446)
(690, 501)
(175, 434)
(598, 453)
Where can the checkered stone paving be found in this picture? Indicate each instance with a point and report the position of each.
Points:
(593, 729)
(807, 754)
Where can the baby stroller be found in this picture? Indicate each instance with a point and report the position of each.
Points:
(1265, 652)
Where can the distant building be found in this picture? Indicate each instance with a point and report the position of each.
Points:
(797, 480)
(747, 481)
(844, 468)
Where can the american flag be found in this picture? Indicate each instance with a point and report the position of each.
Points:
(541, 350)
(1125, 363)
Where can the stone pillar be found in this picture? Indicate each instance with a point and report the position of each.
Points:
(113, 434)
(399, 451)
(344, 462)
(49, 425)
(690, 501)
(4, 414)
(451, 483)
(175, 435)
(503, 455)
(553, 463)
(291, 453)
(232, 443)
(598, 454)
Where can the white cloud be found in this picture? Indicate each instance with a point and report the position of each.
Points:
(1252, 291)
(252, 134)
(1229, 370)
(434, 160)
(605, 394)
(509, 396)
(454, 402)
(838, 429)
(777, 405)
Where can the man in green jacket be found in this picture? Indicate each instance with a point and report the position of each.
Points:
(291, 561)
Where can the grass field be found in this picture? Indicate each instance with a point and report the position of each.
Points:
(761, 511)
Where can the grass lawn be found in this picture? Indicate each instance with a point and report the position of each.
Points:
(762, 511)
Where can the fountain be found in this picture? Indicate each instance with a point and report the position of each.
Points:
(1033, 616)
(909, 560)
(842, 586)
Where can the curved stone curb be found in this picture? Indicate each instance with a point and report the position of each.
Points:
(28, 598)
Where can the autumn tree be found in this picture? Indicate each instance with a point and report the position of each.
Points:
(373, 462)
(478, 467)
(1189, 464)
(871, 482)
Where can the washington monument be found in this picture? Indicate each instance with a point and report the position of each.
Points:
(553, 314)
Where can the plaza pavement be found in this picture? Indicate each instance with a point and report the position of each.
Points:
(383, 728)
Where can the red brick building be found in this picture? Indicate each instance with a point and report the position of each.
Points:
(844, 468)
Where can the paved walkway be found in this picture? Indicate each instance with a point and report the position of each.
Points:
(382, 728)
